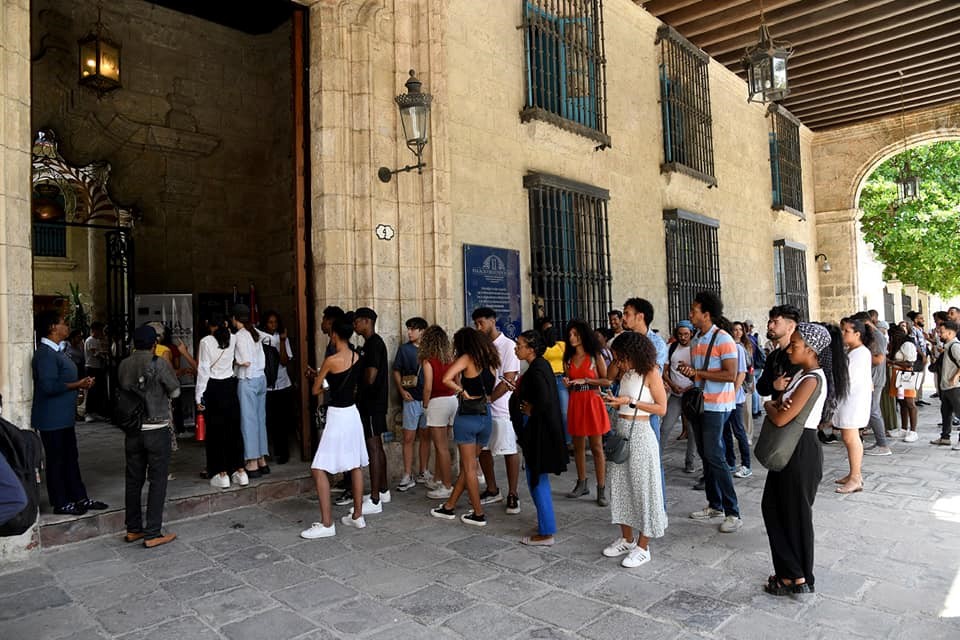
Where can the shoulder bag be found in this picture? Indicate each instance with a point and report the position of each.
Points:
(616, 446)
(691, 402)
(775, 445)
(474, 406)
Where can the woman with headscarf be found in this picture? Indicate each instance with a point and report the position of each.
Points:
(536, 417)
(788, 494)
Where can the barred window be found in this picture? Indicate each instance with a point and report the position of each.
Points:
(693, 259)
(49, 240)
(785, 172)
(888, 305)
(790, 275)
(569, 249)
(566, 81)
(685, 107)
(906, 303)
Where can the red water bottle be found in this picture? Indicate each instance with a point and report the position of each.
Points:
(201, 428)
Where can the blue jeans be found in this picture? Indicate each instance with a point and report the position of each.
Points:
(564, 395)
(757, 404)
(253, 416)
(734, 428)
(543, 501)
(717, 478)
(655, 425)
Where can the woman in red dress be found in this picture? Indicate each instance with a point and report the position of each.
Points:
(585, 375)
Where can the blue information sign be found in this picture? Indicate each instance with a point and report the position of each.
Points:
(491, 278)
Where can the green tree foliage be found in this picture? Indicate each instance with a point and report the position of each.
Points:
(918, 241)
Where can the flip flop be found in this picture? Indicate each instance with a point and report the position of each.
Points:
(840, 481)
(856, 489)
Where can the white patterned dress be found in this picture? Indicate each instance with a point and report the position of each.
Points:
(636, 492)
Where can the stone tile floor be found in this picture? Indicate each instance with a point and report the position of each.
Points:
(887, 567)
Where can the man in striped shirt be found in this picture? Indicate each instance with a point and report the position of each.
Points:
(715, 373)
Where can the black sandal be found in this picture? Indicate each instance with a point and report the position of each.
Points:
(776, 587)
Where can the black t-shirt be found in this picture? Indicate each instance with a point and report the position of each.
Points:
(372, 399)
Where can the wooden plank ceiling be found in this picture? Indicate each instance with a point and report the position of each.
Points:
(848, 54)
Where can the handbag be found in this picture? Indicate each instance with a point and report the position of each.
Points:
(474, 406)
(616, 446)
(411, 381)
(906, 379)
(691, 402)
(775, 445)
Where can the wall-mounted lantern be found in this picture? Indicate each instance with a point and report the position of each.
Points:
(99, 60)
(826, 268)
(414, 108)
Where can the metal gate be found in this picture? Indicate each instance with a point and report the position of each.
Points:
(120, 290)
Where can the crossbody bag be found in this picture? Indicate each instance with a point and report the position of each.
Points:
(616, 447)
(691, 402)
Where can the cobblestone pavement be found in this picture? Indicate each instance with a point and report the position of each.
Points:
(887, 567)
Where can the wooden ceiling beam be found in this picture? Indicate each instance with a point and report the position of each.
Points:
(828, 34)
(743, 14)
(869, 102)
(827, 37)
(874, 86)
(818, 124)
(658, 7)
(817, 83)
(713, 10)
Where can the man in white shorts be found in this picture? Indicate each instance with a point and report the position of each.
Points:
(503, 440)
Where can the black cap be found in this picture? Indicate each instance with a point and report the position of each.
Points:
(241, 312)
(144, 337)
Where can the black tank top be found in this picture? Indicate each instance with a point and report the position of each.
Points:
(343, 387)
(482, 385)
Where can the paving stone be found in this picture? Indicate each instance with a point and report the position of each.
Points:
(433, 603)
(279, 575)
(908, 600)
(489, 621)
(630, 589)
(417, 556)
(355, 617)
(141, 610)
(391, 581)
(25, 579)
(616, 625)
(249, 558)
(227, 606)
(311, 552)
(758, 625)
(523, 559)
(459, 573)
(173, 566)
(83, 575)
(107, 593)
(49, 624)
(929, 628)
(478, 547)
(275, 623)
(692, 610)
(86, 634)
(851, 618)
(508, 589)
(314, 595)
(546, 633)
(186, 628)
(187, 588)
(135, 552)
(78, 554)
(574, 576)
(564, 610)
(31, 601)
(224, 544)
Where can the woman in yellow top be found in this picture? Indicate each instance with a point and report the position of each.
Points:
(554, 355)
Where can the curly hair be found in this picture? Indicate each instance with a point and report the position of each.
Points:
(435, 343)
(588, 339)
(468, 341)
(637, 350)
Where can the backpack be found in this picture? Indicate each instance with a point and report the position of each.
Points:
(918, 363)
(271, 367)
(24, 453)
(937, 365)
(130, 408)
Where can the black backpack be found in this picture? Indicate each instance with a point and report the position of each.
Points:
(24, 453)
(130, 407)
(271, 367)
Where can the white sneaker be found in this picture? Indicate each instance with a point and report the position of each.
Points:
(956, 447)
(370, 508)
(220, 482)
(385, 497)
(406, 483)
(240, 477)
(317, 530)
(911, 436)
(743, 472)
(730, 524)
(440, 493)
(706, 513)
(432, 484)
(619, 547)
(348, 521)
(424, 477)
(636, 558)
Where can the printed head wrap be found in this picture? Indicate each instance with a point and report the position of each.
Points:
(814, 335)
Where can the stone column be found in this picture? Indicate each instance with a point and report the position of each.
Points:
(837, 239)
(16, 276)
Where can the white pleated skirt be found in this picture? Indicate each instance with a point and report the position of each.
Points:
(342, 446)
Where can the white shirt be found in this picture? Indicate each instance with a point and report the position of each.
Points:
(906, 353)
(680, 354)
(632, 384)
(509, 363)
(249, 351)
(213, 362)
(94, 351)
(813, 419)
(283, 378)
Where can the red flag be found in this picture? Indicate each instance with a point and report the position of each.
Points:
(254, 311)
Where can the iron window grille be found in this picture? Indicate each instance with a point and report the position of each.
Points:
(888, 305)
(49, 240)
(569, 249)
(786, 174)
(906, 303)
(685, 107)
(790, 275)
(566, 67)
(693, 259)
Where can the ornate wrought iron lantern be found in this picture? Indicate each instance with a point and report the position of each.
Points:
(99, 60)
(414, 108)
(766, 67)
(908, 184)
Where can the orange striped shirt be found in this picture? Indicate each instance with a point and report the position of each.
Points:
(717, 396)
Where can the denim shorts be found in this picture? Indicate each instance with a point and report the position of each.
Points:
(413, 416)
(474, 429)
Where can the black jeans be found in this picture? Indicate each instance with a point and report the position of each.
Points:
(64, 484)
(949, 407)
(97, 394)
(280, 422)
(148, 458)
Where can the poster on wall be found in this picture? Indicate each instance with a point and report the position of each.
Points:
(491, 278)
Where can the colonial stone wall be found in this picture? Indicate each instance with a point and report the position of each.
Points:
(199, 139)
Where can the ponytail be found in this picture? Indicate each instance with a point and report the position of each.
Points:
(837, 372)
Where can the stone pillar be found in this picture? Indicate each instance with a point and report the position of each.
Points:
(837, 239)
(16, 276)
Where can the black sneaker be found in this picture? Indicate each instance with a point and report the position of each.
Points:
(513, 504)
(443, 513)
(489, 498)
(71, 509)
(700, 485)
(474, 519)
(94, 505)
(831, 439)
(345, 498)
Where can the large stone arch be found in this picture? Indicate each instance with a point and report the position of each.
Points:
(842, 161)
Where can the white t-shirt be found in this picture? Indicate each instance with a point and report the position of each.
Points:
(213, 362)
(680, 354)
(509, 363)
(95, 353)
(249, 351)
(283, 378)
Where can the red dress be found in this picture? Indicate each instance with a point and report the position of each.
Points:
(586, 413)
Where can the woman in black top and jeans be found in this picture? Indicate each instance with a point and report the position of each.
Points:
(475, 366)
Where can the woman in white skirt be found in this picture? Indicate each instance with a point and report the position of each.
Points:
(342, 447)
(853, 409)
(636, 492)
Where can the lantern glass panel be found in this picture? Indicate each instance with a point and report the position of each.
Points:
(416, 122)
(109, 61)
(88, 58)
(779, 72)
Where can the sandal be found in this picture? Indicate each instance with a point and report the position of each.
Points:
(844, 490)
(776, 587)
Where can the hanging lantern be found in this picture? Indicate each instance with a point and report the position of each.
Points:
(908, 184)
(766, 67)
(99, 60)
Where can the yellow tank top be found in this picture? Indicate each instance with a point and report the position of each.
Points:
(160, 350)
(554, 355)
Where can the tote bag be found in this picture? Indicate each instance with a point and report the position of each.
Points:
(776, 445)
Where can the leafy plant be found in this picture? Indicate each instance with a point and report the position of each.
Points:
(918, 241)
(78, 308)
